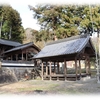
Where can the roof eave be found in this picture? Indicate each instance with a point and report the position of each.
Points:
(55, 55)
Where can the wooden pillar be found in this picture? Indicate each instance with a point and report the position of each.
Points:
(50, 69)
(57, 70)
(80, 68)
(0, 64)
(86, 66)
(26, 56)
(22, 56)
(42, 70)
(11, 57)
(54, 68)
(58, 67)
(46, 68)
(65, 69)
(89, 69)
(16, 57)
(76, 68)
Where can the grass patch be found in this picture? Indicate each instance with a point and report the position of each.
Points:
(30, 89)
(46, 87)
(71, 91)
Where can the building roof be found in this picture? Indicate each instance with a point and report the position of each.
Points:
(21, 47)
(65, 46)
(9, 43)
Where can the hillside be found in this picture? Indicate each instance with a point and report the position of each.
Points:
(28, 35)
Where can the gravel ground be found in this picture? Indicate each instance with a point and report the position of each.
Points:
(39, 87)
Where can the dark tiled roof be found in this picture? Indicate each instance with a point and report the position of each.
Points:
(64, 46)
(9, 43)
(20, 47)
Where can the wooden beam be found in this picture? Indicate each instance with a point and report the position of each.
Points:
(60, 58)
(42, 70)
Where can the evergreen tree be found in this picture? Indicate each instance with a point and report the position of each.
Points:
(11, 24)
(55, 20)
(66, 20)
(91, 19)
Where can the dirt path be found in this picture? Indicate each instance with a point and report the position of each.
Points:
(34, 87)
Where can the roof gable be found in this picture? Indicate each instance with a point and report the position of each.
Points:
(64, 46)
(22, 47)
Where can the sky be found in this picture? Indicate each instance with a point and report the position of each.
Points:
(27, 16)
(25, 13)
